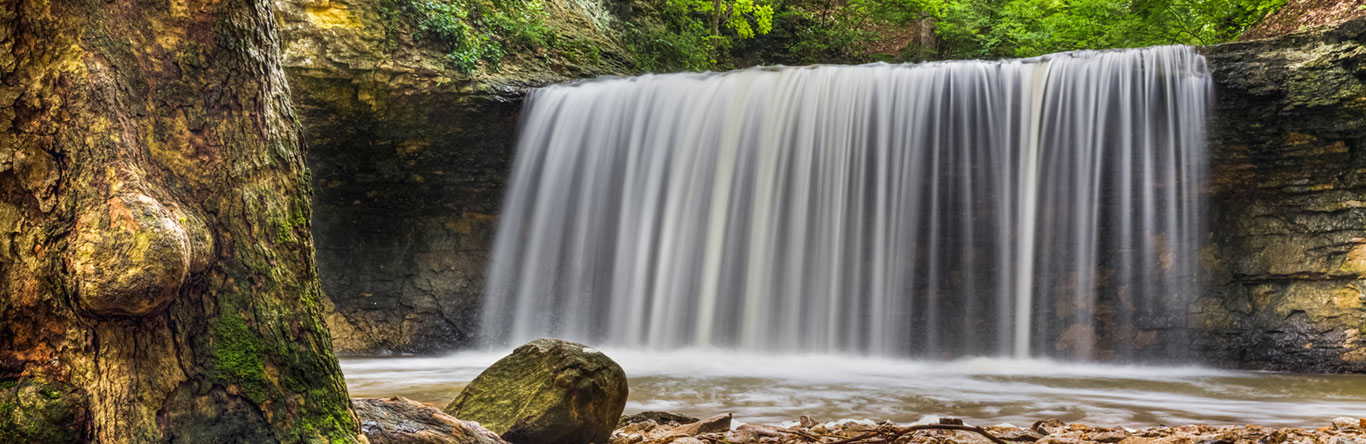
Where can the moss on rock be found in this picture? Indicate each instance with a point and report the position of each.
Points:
(548, 391)
(38, 413)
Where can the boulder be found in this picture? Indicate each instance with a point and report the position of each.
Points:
(548, 391)
(400, 420)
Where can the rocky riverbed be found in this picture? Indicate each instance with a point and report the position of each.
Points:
(806, 430)
(400, 420)
(1342, 431)
(554, 391)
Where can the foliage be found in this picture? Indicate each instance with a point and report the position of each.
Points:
(1025, 28)
(824, 34)
(676, 42)
(742, 12)
(855, 31)
(686, 39)
(473, 32)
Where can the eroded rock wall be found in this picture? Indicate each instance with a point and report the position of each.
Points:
(409, 156)
(1287, 258)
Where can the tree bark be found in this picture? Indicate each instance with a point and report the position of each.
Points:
(713, 42)
(157, 281)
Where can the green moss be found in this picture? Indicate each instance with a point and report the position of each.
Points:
(237, 354)
(268, 340)
(579, 50)
(35, 412)
(307, 387)
(287, 227)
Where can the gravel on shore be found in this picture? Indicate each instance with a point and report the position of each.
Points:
(645, 430)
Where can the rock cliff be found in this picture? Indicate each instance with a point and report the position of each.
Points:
(1287, 257)
(409, 154)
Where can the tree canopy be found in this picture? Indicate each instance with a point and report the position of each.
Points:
(697, 35)
(825, 31)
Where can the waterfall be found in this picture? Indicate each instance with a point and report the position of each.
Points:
(1016, 207)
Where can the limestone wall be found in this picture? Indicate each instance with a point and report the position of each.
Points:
(409, 156)
(1287, 259)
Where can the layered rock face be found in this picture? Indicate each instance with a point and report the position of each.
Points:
(409, 156)
(1287, 258)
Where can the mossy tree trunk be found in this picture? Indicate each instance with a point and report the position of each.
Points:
(157, 281)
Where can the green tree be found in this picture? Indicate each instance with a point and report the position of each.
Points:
(744, 19)
(707, 34)
(694, 34)
(1026, 28)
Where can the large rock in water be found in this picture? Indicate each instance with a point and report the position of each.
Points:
(548, 391)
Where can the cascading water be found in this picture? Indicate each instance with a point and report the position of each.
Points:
(941, 209)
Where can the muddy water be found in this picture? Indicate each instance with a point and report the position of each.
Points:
(775, 389)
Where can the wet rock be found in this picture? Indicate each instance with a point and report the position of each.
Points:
(1347, 421)
(548, 391)
(400, 420)
(662, 418)
(718, 423)
(1285, 187)
(634, 433)
(1047, 426)
(1079, 427)
(1015, 434)
(752, 433)
(1216, 441)
(1109, 436)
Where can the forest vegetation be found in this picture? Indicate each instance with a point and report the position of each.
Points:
(699, 35)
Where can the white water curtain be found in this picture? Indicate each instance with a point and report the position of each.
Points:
(942, 209)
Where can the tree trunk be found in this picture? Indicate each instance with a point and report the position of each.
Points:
(157, 281)
(714, 40)
(716, 18)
